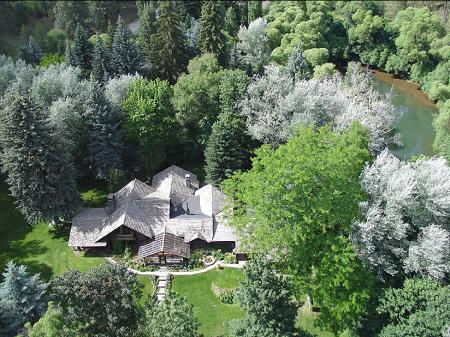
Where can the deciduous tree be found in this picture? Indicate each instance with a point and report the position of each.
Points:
(297, 203)
(108, 293)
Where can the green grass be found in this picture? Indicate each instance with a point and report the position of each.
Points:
(211, 313)
(44, 251)
(148, 288)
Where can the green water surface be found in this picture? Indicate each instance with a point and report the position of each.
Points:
(415, 124)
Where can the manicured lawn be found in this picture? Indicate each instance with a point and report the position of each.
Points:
(211, 313)
(41, 249)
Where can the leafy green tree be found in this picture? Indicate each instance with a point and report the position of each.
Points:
(101, 13)
(417, 30)
(173, 317)
(81, 51)
(34, 52)
(421, 308)
(39, 174)
(150, 120)
(50, 325)
(295, 202)
(254, 10)
(168, 55)
(125, 58)
(325, 70)
(104, 144)
(68, 14)
(101, 302)
(441, 124)
(100, 63)
(212, 39)
(196, 97)
(316, 56)
(267, 300)
(22, 299)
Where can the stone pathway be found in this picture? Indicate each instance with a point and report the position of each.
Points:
(162, 283)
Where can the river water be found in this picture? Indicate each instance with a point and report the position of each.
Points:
(415, 125)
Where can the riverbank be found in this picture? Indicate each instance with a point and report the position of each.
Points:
(405, 86)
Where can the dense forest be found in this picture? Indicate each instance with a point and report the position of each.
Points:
(274, 102)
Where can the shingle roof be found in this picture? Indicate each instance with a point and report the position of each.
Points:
(223, 232)
(167, 243)
(146, 209)
(212, 200)
(172, 183)
(143, 216)
(86, 226)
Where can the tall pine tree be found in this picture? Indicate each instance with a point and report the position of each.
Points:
(147, 27)
(104, 139)
(100, 63)
(39, 174)
(68, 55)
(296, 65)
(81, 50)
(254, 10)
(224, 153)
(168, 53)
(125, 58)
(212, 39)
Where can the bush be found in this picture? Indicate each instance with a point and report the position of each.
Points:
(229, 258)
(116, 180)
(217, 254)
(227, 296)
(196, 258)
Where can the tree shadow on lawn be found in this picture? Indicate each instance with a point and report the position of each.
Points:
(61, 231)
(13, 230)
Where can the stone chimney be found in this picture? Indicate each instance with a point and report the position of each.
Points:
(187, 177)
(111, 203)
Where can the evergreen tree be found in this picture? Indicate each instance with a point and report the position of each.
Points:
(39, 174)
(101, 13)
(22, 299)
(227, 148)
(34, 52)
(254, 10)
(104, 140)
(68, 55)
(147, 27)
(297, 66)
(125, 58)
(243, 13)
(267, 300)
(212, 39)
(224, 153)
(168, 50)
(81, 50)
(68, 14)
(100, 63)
(231, 21)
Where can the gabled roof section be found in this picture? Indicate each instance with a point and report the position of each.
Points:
(172, 183)
(142, 213)
(167, 243)
(212, 200)
(134, 190)
(86, 226)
